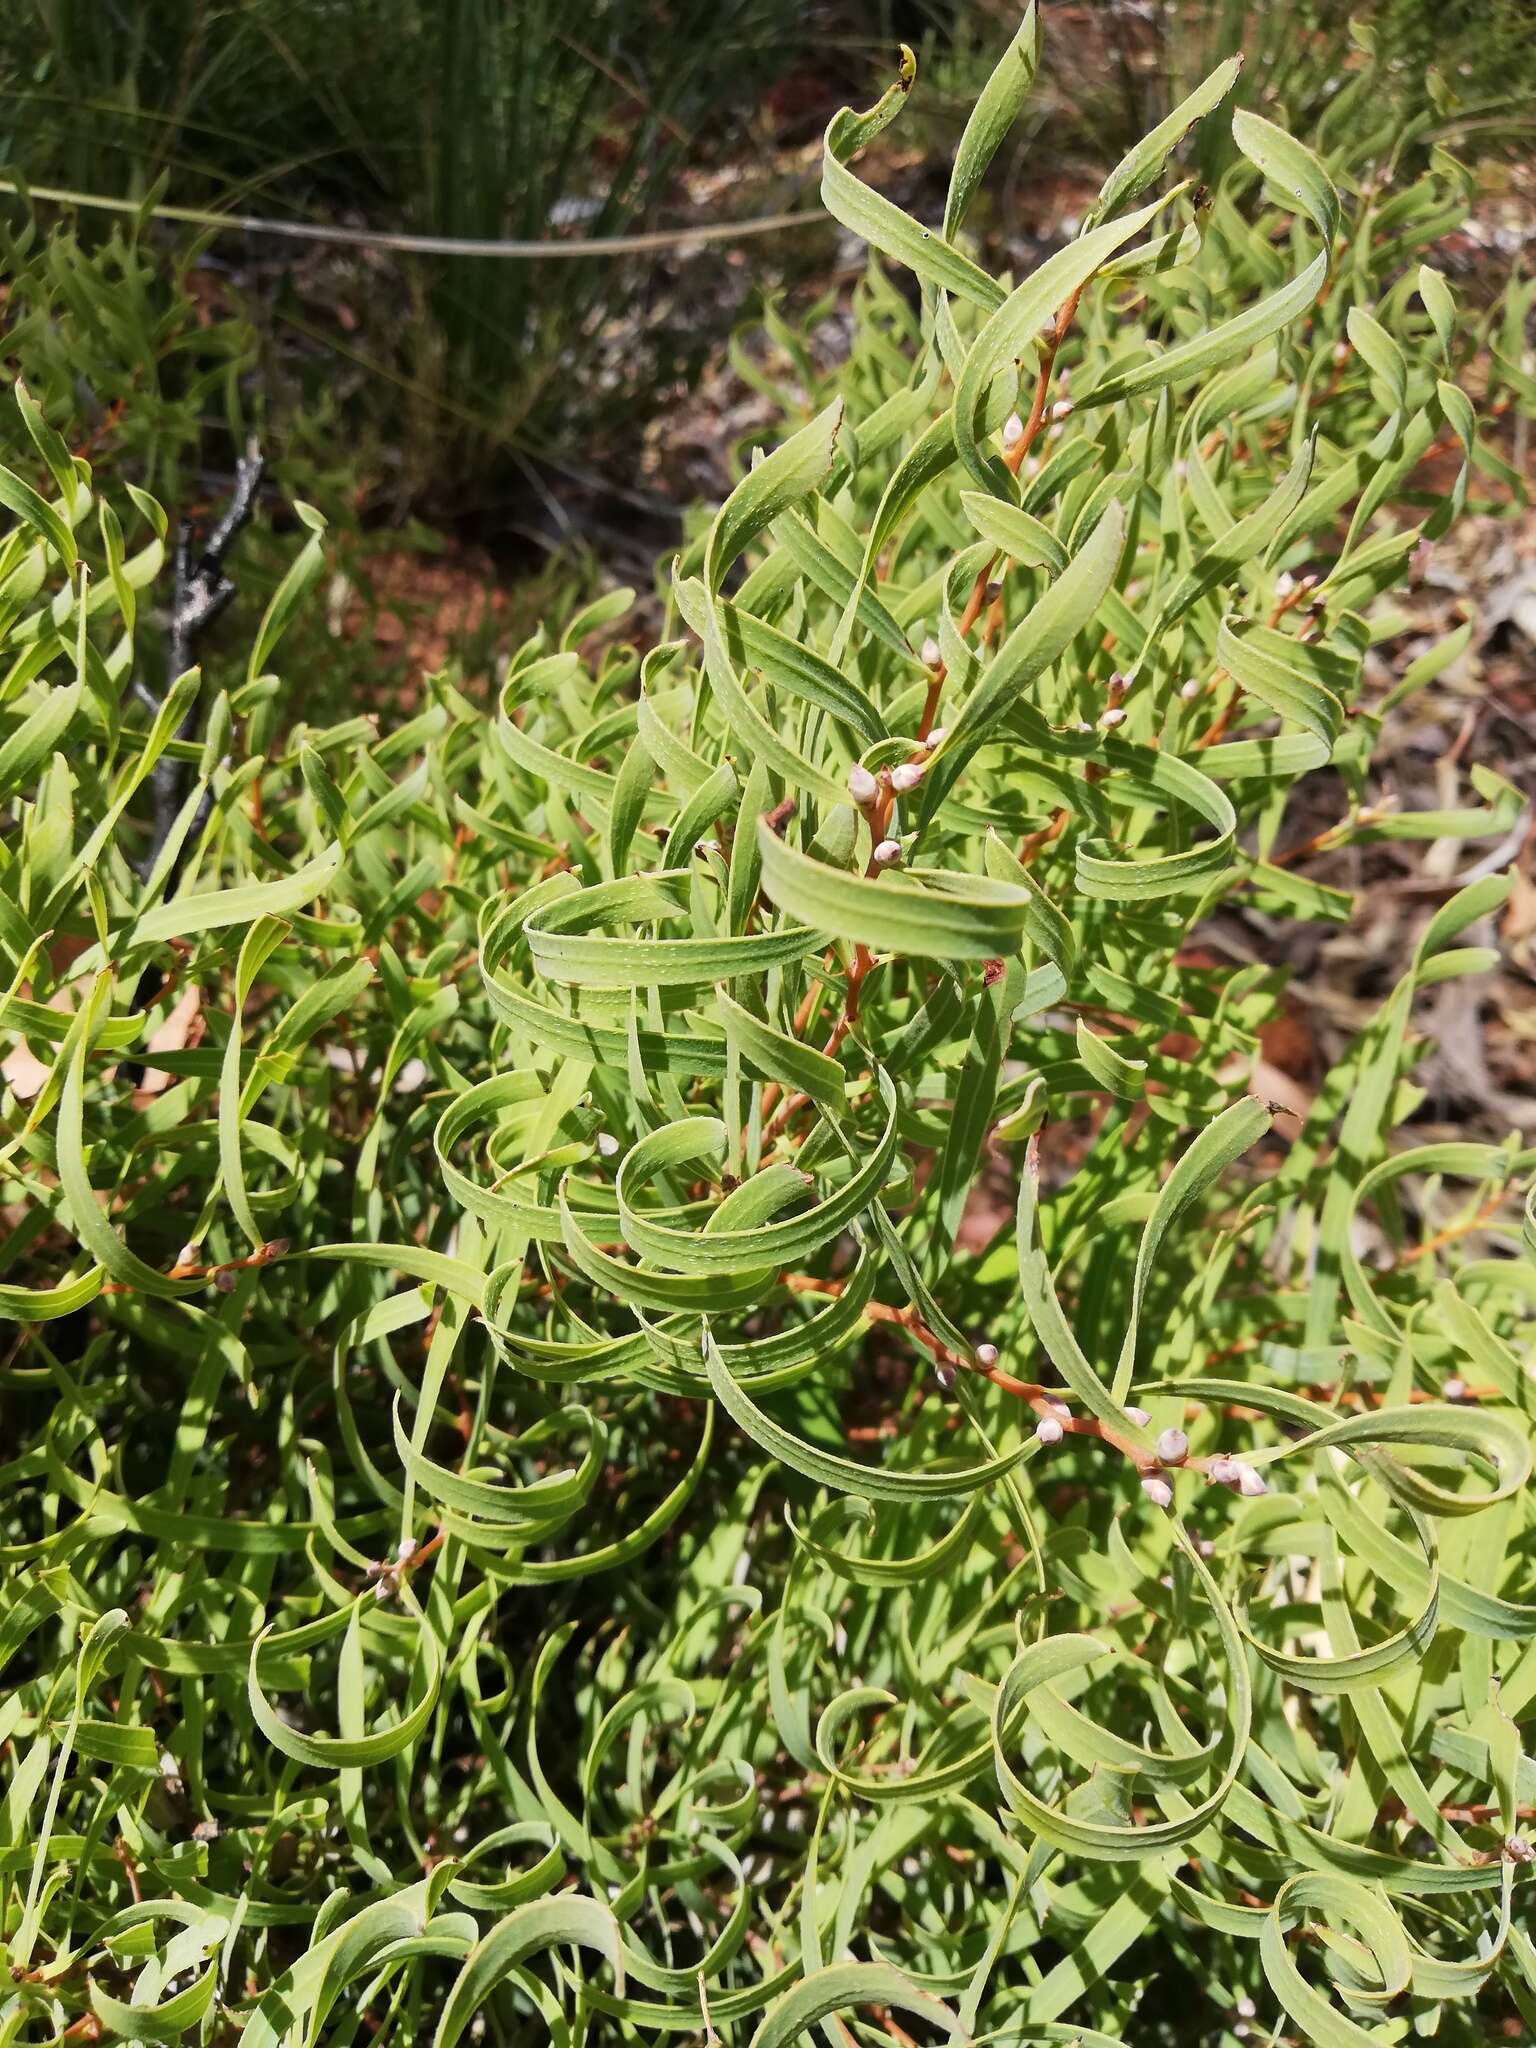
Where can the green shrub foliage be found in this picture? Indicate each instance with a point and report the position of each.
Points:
(663, 1386)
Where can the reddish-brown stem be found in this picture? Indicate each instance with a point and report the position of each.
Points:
(264, 1256)
(1043, 1400)
(1015, 457)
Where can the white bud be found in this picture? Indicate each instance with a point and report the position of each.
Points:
(607, 1145)
(888, 853)
(1060, 1408)
(187, 1256)
(1109, 719)
(945, 1375)
(1139, 1416)
(986, 1354)
(1158, 1491)
(1173, 1447)
(935, 739)
(1245, 2008)
(1206, 1547)
(1340, 354)
(1285, 583)
(1064, 376)
(932, 653)
(1455, 1390)
(907, 776)
(1519, 1850)
(1181, 470)
(1224, 1471)
(1013, 431)
(1190, 691)
(1032, 467)
(1251, 1484)
(407, 1548)
(1062, 409)
(1048, 1430)
(384, 1590)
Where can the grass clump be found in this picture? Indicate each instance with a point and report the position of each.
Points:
(546, 1499)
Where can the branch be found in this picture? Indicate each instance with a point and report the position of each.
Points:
(199, 593)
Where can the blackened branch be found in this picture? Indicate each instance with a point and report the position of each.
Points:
(200, 590)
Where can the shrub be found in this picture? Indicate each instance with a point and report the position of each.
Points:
(545, 1495)
(461, 118)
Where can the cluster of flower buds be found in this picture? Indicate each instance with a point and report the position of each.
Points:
(386, 1575)
(1236, 1476)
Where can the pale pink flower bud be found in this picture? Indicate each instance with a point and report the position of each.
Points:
(1062, 409)
(935, 739)
(1013, 431)
(986, 1354)
(1173, 1447)
(888, 853)
(1251, 1484)
(1048, 1430)
(945, 1375)
(1224, 1471)
(1158, 1491)
(1190, 690)
(862, 786)
(1455, 1390)
(1109, 719)
(1139, 1416)
(1285, 583)
(932, 653)
(906, 776)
